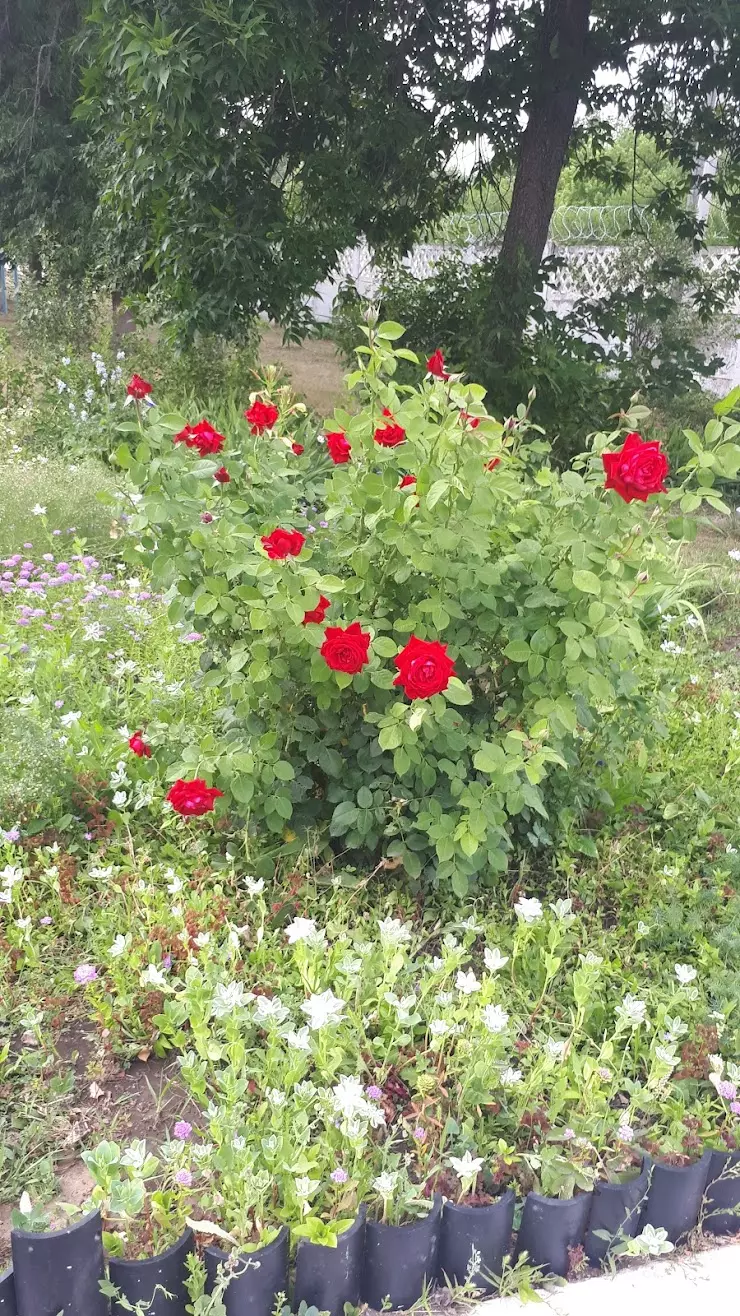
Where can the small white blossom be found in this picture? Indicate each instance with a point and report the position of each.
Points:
(270, 1011)
(120, 800)
(255, 885)
(555, 1048)
(202, 939)
(227, 997)
(495, 1018)
(734, 553)
(38, 510)
(94, 632)
(275, 1097)
(511, 1077)
(494, 960)
(11, 874)
(118, 946)
(153, 977)
(385, 1185)
(670, 646)
(304, 929)
(632, 1011)
(393, 933)
(685, 973)
(403, 1005)
(175, 884)
(625, 1132)
(323, 1008)
(299, 1040)
(562, 908)
(119, 776)
(592, 960)
(467, 983)
(529, 911)
(667, 1056)
(467, 1166)
(438, 1028)
(70, 719)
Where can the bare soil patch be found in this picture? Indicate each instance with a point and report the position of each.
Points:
(315, 369)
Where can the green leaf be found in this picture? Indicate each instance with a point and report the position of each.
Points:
(283, 771)
(728, 403)
(437, 491)
(390, 737)
(401, 761)
(384, 646)
(587, 582)
(457, 692)
(518, 651)
(365, 797)
(390, 329)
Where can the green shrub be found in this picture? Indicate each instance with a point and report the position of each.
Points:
(32, 772)
(68, 496)
(545, 589)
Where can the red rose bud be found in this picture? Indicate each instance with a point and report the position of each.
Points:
(338, 447)
(345, 648)
(192, 798)
(493, 463)
(297, 448)
(139, 747)
(436, 365)
(261, 416)
(637, 470)
(472, 421)
(222, 475)
(424, 668)
(317, 614)
(387, 412)
(389, 436)
(138, 388)
(283, 543)
(206, 518)
(407, 481)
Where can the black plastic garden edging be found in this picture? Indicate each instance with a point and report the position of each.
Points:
(473, 1242)
(722, 1194)
(138, 1280)
(256, 1277)
(550, 1226)
(328, 1277)
(616, 1210)
(7, 1294)
(60, 1270)
(400, 1261)
(675, 1197)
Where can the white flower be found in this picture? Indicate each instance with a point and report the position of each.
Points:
(255, 885)
(467, 983)
(495, 1018)
(734, 553)
(124, 733)
(562, 908)
(685, 973)
(385, 1185)
(667, 1056)
(11, 874)
(592, 960)
(175, 885)
(393, 932)
(119, 776)
(511, 1077)
(642, 929)
(304, 929)
(202, 939)
(632, 1011)
(625, 1132)
(670, 646)
(529, 911)
(554, 1048)
(275, 1097)
(300, 1040)
(38, 510)
(351, 1104)
(23, 923)
(403, 1005)
(717, 1064)
(153, 977)
(438, 1028)
(70, 719)
(120, 800)
(494, 960)
(349, 966)
(651, 1242)
(94, 632)
(730, 849)
(443, 998)
(268, 1010)
(323, 1008)
(675, 1028)
(227, 997)
(467, 1166)
(118, 946)
(101, 874)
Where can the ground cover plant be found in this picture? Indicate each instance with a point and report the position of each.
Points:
(340, 1025)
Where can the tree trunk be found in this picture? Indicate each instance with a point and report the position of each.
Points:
(558, 76)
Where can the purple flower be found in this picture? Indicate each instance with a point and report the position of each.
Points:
(12, 834)
(167, 962)
(184, 1178)
(85, 973)
(420, 1134)
(56, 532)
(182, 1130)
(339, 1175)
(374, 1092)
(568, 1134)
(192, 637)
(46, 920)
(28, 545)
(59, 703)
(323, 524)
(735, 1107)
(726, 1090)
(88, 836)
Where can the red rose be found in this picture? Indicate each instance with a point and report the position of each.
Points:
(261, 416)
(389, 436)
(222, 475)
(138, 746)
(192, 798)
(338, 447)
(283, 543)
(318, 613)
(407, 481)
(467, 419)
(345, 648)
(637, 470)
(493, 463)
(436, 365)
(202, 436)
(424, 668)
(387, 412)
(138, 388)
(297, 448)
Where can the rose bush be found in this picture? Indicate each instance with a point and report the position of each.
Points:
(418, 666)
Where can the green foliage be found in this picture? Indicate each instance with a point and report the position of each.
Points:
(535, 580)
(57, 314)
(68, 497)
(32, 774)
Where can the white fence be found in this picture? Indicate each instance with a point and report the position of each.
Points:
(588, 271)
